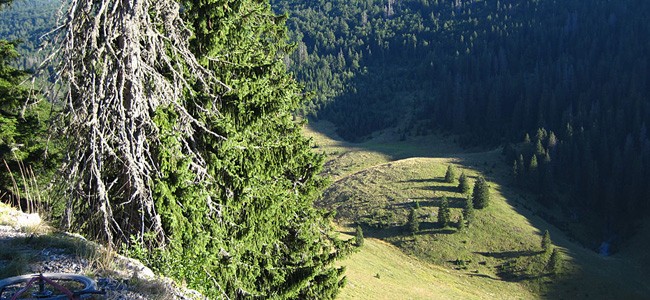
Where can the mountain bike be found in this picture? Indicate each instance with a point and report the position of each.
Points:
(48, 286)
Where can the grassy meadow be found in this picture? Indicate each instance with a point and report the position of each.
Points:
(498, 256)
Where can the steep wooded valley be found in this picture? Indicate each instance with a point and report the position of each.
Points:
(561, 85)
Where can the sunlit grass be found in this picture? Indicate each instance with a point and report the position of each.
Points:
(378, 181)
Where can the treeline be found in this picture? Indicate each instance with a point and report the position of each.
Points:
(492, 71)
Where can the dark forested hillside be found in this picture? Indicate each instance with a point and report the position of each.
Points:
(27, 21)
(493, 71)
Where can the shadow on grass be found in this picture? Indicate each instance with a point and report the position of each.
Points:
(454, 202)
(384, 233)
(446, 230)
(423, 180)
(441, 188)
(434, 228)
(482, 275)
(509, 254)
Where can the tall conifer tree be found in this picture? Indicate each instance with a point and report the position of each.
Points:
(463, 184)
(194, 158)
(444, 214)
(450, 175)
(265, 238)
(481, 193)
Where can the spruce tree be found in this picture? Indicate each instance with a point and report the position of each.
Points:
(460, 223)
(520, 163)
(532, 166)
(358, 236)
(468, 210)
(546, 243)
(481, 193)
(450, 175)
(555, 263)
(414, 221)
(444, 213)
(265, 173)
(203, 166)
(463, 183)
(539, 148)
(552, 140)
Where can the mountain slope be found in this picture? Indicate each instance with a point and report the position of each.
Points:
(382, 271)
(377, 182)
(491, 72)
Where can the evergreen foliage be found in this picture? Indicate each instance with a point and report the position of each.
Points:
(226, 200)
(27, 22)
(260, 236)
(555, 263)
(460, 223)
(532, 166)
(463, 183)
(414, 221)
(481, 193)
(24, 147)
(468, 210)
(358, 236)
(546, 243)
(444, 213)
(450, 175)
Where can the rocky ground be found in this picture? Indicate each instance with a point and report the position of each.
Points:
(28, 246)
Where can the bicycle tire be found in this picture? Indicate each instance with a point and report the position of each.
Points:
(89, 285)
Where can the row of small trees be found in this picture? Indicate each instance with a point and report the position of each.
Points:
(479, 199)
(481, 192)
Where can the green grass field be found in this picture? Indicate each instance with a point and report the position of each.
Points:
(498, 256)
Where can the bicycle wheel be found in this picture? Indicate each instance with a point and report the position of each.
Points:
(81, 286)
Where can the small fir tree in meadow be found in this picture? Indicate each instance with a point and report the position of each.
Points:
(450, 176)
(481, 193)
(555, 262)
(444, 214)
(546, 242)
(468, 210)
(414, 221)
(463, 184)
(460, 223)
(358, 236)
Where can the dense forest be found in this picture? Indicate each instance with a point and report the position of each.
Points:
(26, 22)
(570, 75)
